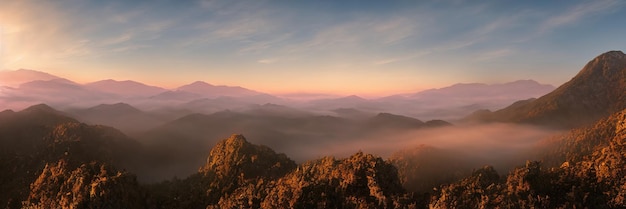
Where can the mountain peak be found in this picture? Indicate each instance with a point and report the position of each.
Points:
(613, 54)
(612, 60)
(119, 107)
(236, 156)
(595, 92)
(199, 83)
(40, 108)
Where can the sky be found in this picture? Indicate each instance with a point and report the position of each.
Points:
(286, 46)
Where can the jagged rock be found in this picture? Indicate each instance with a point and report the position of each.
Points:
(360, 181)
(90, 185)
(236, 157)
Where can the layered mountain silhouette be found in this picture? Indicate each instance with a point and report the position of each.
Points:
(125, 88)
(298, 134)
(22, 88)
(49, 159)
(120, 115)
(598, 90)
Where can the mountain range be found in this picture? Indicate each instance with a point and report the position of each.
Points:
(49, 159)
(22, 88)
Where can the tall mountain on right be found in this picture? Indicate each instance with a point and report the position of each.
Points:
(597, 91)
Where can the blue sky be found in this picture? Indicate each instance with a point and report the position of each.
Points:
(345, 47)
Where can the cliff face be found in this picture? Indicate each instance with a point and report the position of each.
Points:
(89, 185)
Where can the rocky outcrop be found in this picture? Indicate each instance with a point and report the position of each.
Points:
(236, 157)
(360, 181)
(239, 174)
(90, 185)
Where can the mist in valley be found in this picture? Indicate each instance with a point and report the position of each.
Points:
(177, 127)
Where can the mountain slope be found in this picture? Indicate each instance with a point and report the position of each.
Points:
(598, 90)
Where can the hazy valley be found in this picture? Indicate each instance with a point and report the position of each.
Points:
(124, 144)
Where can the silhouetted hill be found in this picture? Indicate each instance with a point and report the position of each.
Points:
(597, 91)
(119, 115)
(39, 134)
(436, 123)
(391, 121)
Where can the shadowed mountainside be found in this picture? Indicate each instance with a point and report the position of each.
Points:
(598, 90)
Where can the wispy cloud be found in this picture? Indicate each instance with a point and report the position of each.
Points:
(267, 61)
(493, 54)
(119, 39)
(401, 58)
(579, 12)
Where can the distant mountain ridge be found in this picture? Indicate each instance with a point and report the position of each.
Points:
(448, 103)
(126, 88)
(519, 88)
(17, 77)
(597, 91)
(212, 91)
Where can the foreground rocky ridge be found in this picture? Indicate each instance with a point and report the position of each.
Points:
(227, 181)
(88, 185)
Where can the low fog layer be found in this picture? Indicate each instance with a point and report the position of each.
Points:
(492, 144)
(179, 150)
